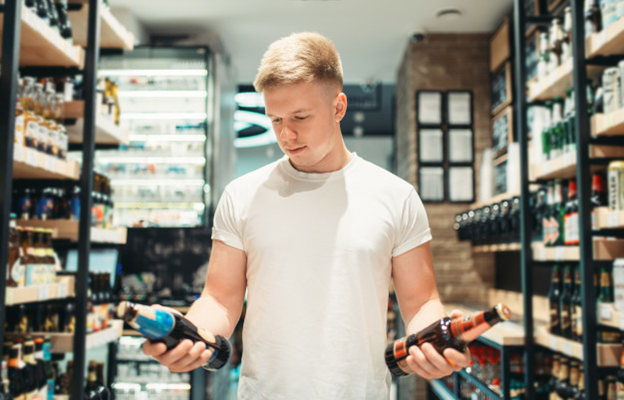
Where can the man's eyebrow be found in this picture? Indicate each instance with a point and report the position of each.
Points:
(293, 112)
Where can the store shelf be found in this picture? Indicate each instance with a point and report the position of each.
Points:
(606, 219)
(62, 289)
(113, 35)
(611, 124)
(498, 247)
(608, 42)
(41, 45)
(157, 205)
(556, 84)
(66, 229)
(106, 132)
(564, 167)
(608, 355)
(32, 164)
(604, 250)
(482, 386)
(439, 388)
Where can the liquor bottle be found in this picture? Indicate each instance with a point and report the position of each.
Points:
(547, 229)
(92, 386)
(556, 215)
(103, 393)
(599, 196)
(494, 221)
(543, 63)
(42, 386)
(553, 299)
(443, 334)
(42, 10)
(564, 304)
(566, 48)
(580, 394)
(31, 379)
(611, 387)
(4, 381)
(62, 139)
(64, 23)
(170, 328)
(13, 278)
(593, 20)
(573, 389)
(514, 217)
(620, 376)
(42, 130)
(563, 383)
(91, 316)
(16, 373)
(577, 307)
(606, 288)
(48, 368)
(556, 133)
(602, 390)
(546, 132)
(31, 261)
(105, 300)
(572, 236)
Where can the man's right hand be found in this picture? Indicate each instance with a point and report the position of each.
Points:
(186, 356)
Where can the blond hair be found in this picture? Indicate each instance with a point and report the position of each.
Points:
(300, 57)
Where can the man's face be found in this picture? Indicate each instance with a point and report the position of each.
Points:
(306, 120)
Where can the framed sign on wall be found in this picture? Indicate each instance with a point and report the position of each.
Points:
(501, 89)
(502, 131)
(429, 107)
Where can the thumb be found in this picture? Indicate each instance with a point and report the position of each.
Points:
(456, 314)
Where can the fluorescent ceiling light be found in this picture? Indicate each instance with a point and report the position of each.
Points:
(134, 116)
(153, 72)
(162, 93)
(249, 99)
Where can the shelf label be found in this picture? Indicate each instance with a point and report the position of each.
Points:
(61, 290)
(559, 253)
(567, 348)
(613, 219)
(44, 292)
(50, 164)
(552, 343)
(605, 311)
(18, 153)
(31, 158)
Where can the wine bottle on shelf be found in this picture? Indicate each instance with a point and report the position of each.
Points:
(572, 236)
(574, 379)
(606, 288)
(92, 386)
(103, 393)
(611, 387)
(170, 328)
(553, 299)
(17, 386)
(564, 304)
(445, 333)
(577, 307)
(580, 395)
(563, 385)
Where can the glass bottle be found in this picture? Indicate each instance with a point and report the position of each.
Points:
(620, 375)
(572, 234)
(102, 392)
(16, 373)
(553, 299)
(62, 139)
(91, 388)
(51, 144)
(41, 128)
(599, 195)
(606, 288)
(566, 45)
(577, 307)
(64, 23)
(443, 334)
(14, 254)
(564, 304)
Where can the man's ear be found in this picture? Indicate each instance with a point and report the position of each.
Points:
(340, 106)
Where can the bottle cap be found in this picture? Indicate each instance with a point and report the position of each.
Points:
(503, 312)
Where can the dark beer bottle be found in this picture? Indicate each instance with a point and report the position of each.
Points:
(564, 304)
(443, 334)
(171, 328)
(16, 373)
(92, 386)
(102, 390)
(553, 299)
(577, 307)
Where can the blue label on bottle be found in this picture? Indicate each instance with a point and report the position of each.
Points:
(24, 204)
(75, 205)
(44, 207)
(153, 323)
(50, 389)
(47, 353)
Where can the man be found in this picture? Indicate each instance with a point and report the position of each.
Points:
(315, 238)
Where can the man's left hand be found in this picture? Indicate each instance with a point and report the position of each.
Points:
(429, 364)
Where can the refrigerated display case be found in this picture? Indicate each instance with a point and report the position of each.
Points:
(162, 177)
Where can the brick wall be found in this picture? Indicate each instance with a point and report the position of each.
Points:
(447, 62)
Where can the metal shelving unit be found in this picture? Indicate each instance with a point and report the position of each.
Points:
(19, 27)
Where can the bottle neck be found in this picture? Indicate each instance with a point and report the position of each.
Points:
(472, 326)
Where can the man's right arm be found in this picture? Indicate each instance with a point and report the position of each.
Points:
(217, 310)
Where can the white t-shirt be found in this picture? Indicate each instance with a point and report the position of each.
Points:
(319, 258)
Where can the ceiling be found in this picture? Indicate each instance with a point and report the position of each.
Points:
(370, 35)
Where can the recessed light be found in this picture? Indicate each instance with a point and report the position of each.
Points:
(448, 13)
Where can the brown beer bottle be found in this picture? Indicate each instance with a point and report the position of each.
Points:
(14, 253)
(445, 333)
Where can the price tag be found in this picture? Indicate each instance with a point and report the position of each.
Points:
(552, 343)
(44, 292)
(605, 311)
(613, 219)
(542, 254)
(18, 153)
(61, 291)
(9, 298)
(31, 158)
(559, 253)
(567, 348)
(50, 164)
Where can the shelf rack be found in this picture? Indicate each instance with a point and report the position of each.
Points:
(106, 131)
(70, 230)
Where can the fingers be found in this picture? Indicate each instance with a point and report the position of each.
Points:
(153, 349)
(429, 364)
(456, 314)
(186, 356)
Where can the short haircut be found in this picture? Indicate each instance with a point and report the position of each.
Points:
(300, 57)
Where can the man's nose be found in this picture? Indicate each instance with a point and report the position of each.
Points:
(287, 132)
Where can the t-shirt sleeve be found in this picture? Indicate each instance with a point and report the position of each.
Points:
(413, 227)
(227, 223)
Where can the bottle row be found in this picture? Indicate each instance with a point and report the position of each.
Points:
(565, 303)
(32, 260)
(143, 218)
(555, 45)
(58, 316)
(62, 201)
(54, 14)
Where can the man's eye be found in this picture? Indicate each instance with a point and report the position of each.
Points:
(275, 121)
(301, 118)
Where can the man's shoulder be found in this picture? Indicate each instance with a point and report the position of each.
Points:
(254, 178)
(379, 176)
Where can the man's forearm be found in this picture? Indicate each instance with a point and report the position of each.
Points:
(208, 313)
(430, 312)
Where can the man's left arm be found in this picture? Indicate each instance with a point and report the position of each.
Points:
(419, 301)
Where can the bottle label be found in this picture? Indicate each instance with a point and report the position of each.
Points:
(18, 273)
(579, 321)
(565, 317)
(32, 134)
(546, 229)
(554, 315)
(19, 130)
(50, 390)
(33, 274)
(42, 139)
(554, 237)
(153, 323)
